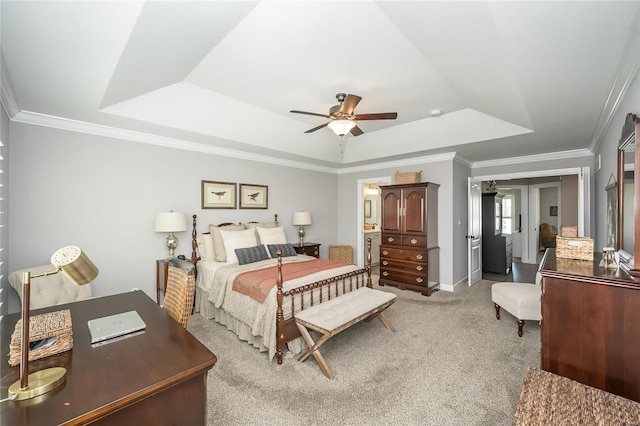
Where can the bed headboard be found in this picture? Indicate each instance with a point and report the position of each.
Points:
(194, 236)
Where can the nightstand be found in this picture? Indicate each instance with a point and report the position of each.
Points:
(162, 272)
(310, 249)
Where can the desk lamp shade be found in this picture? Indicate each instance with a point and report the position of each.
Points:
(76, 265)
(301, 219)
(171, 222)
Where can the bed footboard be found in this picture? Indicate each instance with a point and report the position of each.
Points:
(312, 294)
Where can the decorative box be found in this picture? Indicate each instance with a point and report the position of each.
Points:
(408, 177)
(580, 248)
(53, 324)
(569, 231)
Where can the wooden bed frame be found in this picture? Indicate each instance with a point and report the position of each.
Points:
(286, 329)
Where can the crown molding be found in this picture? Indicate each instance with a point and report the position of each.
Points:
(625, 76)
(448, 156)
(559, 155)
(44, 120)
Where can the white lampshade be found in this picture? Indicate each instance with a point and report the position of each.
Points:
(171, 222)
(341, 127)
(301, 218)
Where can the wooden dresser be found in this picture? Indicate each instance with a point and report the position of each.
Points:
(497, 248)
(409, 246)
(591, 325)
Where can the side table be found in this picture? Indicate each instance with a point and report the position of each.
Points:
(310, 249)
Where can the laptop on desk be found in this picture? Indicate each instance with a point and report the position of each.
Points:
(113, 326)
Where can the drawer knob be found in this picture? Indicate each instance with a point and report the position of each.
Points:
(390, 239)
(419, 257)
(385, 263)
(419, 280)
(385, 252)
(414, 241)
(385, 273)
(419, 268)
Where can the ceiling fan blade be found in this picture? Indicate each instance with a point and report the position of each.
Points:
(378, 116)
(356, 131)
(350, 103)
(317, 128)
(310, 113)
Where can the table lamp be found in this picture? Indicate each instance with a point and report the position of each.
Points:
(171, 222)
(79, 269)
(301, 219)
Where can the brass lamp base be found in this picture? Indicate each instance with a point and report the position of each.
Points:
(40, 382)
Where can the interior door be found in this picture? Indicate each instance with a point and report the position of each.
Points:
(474, 235)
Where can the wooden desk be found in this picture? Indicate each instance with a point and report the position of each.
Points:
(591, 324)
(157, 377)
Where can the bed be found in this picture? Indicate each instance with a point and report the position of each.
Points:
(257, 297)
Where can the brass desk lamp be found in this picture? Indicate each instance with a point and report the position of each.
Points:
(77, 266)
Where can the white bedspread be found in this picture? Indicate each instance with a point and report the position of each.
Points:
(216, 280)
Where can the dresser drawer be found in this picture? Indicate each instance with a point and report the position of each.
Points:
(401, 265)
(391, 239)
(403, 277)
(403, 240)
(401, 254)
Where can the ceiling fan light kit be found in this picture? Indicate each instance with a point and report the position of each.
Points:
(341, 126)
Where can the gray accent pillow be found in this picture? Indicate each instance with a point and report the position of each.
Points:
(287, 250)
(251, 254)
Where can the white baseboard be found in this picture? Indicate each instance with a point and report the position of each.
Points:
(451, 287)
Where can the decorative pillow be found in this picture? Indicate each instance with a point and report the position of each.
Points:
(287, 250)
(262, 225)
(205, 247)
(251, 254)
(219, 251)
(237, 239)
(271, 235)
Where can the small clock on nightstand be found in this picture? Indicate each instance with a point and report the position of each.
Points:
(310, 249)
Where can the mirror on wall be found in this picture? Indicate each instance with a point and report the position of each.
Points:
(627, 190)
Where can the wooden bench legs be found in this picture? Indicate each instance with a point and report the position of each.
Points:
(313, 347)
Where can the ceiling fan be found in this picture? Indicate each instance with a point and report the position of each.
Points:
(342, 118)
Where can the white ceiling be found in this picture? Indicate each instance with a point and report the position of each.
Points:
(513, 78)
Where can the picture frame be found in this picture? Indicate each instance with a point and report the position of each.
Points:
(553, 210)
(254, 196)
(218, 195)
(367, 209)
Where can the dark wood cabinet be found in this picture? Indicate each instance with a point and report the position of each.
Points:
(591, 324)
(409, 252)
(310, 249)
(497, 248)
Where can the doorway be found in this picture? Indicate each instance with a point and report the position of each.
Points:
(529, 224)
(363, 185)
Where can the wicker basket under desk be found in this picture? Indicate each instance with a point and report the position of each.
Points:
(53, 324)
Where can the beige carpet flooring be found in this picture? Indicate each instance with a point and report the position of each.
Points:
(450, 362)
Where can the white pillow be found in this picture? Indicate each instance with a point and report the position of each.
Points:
(205, 247)
(237, 239)
(271, 235)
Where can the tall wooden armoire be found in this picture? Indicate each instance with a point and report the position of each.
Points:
(409, 252)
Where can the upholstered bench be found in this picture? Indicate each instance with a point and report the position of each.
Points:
(338, 314)
(549, 399)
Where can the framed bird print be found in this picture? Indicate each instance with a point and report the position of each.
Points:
(254, 196)
(218, 195)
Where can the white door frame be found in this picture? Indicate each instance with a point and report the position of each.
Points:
(584, 197)
(385, 180)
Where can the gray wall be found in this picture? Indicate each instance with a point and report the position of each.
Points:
(569, 194)
(608, 151)
(103, 194)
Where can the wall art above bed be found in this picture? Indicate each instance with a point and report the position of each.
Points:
(254, 196)
(218, 195)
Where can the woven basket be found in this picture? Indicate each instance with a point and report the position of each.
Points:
(341, 254)
(580, 248)
(53, 324)
(569, 231)
(408, 177)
